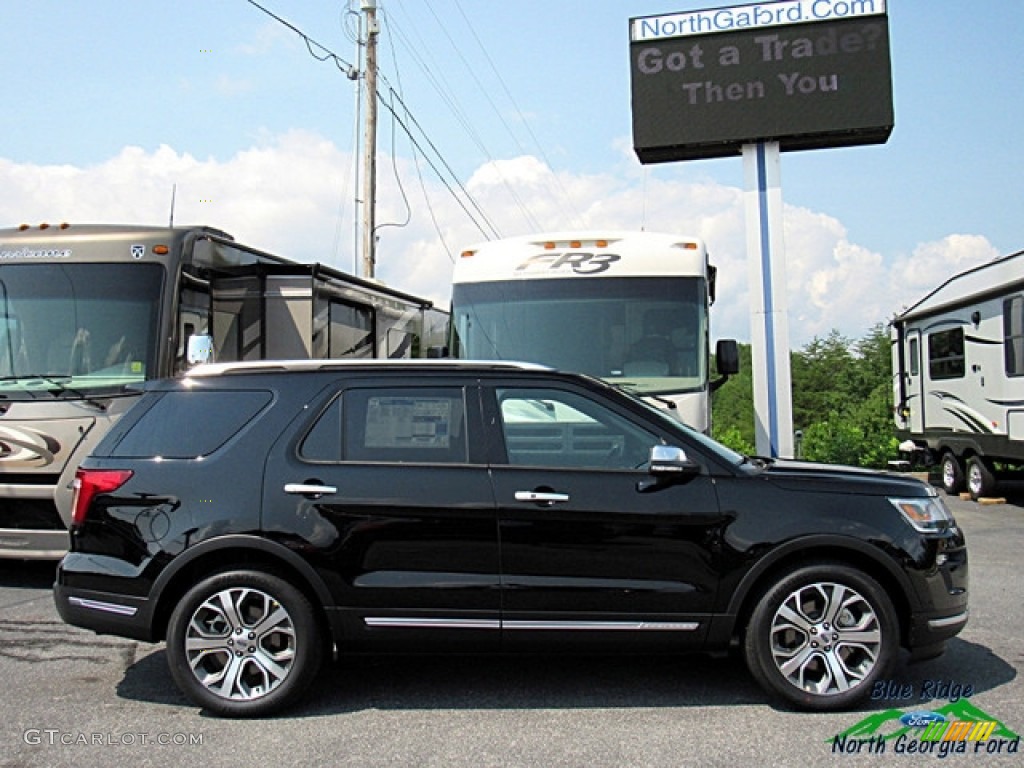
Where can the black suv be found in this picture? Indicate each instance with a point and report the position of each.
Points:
(259, 516)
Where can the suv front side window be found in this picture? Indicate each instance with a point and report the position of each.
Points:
(559, 429)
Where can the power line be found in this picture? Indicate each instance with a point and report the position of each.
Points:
(464, 121)
(493, 230)
(526, 123)
(350, 70)
(352, 73)
(416, 163)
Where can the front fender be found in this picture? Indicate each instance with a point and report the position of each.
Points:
(821, 547)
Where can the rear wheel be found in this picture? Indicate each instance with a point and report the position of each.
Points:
(981, 481)
(822, 636)
(243, 643)
(952, 474)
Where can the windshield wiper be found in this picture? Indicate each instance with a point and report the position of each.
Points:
(670, 404)
(57, 386)
(632, 388)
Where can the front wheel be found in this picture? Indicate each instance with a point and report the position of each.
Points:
(821, 636)
(243, 643)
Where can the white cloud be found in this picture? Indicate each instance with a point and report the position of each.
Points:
(228, 86)
(266, 39)
(293, 194)
(931, 264)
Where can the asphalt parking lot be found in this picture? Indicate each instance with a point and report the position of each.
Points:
(73, 698)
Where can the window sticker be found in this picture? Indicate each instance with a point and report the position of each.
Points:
(402, 422)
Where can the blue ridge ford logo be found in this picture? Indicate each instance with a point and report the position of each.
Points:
(921, 719)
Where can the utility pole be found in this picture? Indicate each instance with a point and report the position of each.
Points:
(369, 7)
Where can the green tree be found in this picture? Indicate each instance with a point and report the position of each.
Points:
(732, 407)
(842, 400)
(822, 372)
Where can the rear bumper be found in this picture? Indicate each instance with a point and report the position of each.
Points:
(103, 613)
(106, 613)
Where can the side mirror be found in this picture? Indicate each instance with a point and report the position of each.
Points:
(200, 349)
(727, 357)
(670, 460)
(669, 464)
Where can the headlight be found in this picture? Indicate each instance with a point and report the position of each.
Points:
(926, 515)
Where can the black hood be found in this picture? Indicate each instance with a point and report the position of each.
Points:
(835, 478)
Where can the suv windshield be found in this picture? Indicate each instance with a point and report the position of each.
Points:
(76, 329)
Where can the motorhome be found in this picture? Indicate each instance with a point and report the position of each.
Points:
(88, 312)
(958, 365)
(628, 307)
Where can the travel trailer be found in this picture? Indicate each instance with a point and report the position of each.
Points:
(958, 364)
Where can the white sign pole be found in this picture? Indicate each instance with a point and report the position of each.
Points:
(769, 320)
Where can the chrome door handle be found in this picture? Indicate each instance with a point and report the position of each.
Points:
(304, 489)
(539, 497)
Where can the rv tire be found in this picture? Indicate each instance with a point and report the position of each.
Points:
(952, 473)
(980, 479)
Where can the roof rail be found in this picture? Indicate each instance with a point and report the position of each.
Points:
(261, 366)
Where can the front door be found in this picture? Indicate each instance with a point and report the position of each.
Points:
(590, 548)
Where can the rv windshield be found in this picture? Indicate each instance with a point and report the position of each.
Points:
(76, 329)
(646, 333)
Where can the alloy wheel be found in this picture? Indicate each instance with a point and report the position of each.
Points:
(240, 643)
(825, 638)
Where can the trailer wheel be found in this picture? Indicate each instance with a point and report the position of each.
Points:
(952, 474)
(980, 479)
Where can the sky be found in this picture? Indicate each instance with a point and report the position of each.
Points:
(498, 118)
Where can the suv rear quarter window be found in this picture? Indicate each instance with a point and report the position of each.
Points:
(184, 425)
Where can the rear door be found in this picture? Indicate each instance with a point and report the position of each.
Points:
(591, 550)
(383, 490)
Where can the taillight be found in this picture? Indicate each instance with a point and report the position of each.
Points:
(89, 482)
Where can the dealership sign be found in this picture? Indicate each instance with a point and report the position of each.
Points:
(806, 73)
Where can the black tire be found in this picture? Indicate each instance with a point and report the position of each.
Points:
(981, 481)
(952, 474)
(244, 643)
(821, 637)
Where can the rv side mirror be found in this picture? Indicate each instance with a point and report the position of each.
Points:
(200, 349)
(727, 357)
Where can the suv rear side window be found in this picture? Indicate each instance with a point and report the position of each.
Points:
(184, 425)
(405, 424)
(425, 425)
